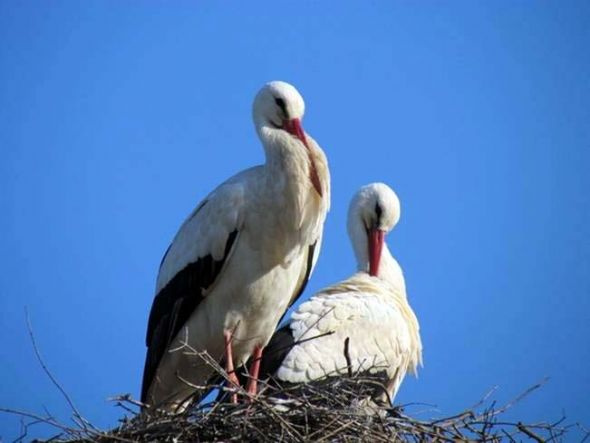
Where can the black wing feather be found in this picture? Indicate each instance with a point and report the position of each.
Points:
(173, 306)
(275, 352)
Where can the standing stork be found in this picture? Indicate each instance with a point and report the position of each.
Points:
(240, 259)
(368, 313)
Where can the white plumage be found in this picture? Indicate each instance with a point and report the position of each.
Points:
(241, 258)
(371, 311)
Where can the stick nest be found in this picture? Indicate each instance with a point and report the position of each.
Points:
(336, 410)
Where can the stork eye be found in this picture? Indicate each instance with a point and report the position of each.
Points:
(378, 211)
(281, 104)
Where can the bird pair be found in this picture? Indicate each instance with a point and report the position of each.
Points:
(244, 256)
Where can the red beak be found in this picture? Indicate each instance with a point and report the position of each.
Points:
(293, 127)
(376, 237)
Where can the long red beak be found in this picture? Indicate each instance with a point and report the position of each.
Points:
(294, 128)
(376, 237)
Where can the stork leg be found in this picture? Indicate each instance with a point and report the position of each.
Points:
(229, 364)
(252, 385)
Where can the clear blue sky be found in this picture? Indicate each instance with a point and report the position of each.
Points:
(116, 118)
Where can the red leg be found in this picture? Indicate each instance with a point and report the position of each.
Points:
(229, 364)
(251, 387)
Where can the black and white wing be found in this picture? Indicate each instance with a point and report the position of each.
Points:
(190, 267)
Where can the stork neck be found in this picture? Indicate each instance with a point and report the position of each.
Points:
(389, 269)
(287, 159)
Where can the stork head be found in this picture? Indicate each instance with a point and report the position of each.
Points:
(279, 107)
(373, 212)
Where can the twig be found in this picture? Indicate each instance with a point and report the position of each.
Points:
(518, 398)
(47, 420)
(83, 422)
(523, 428)
(347, 356)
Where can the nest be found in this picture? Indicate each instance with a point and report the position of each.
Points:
(339, 409)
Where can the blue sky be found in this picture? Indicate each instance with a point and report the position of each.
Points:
(116, 118)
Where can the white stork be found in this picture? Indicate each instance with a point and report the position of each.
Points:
(240, 259)
(370, 309)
